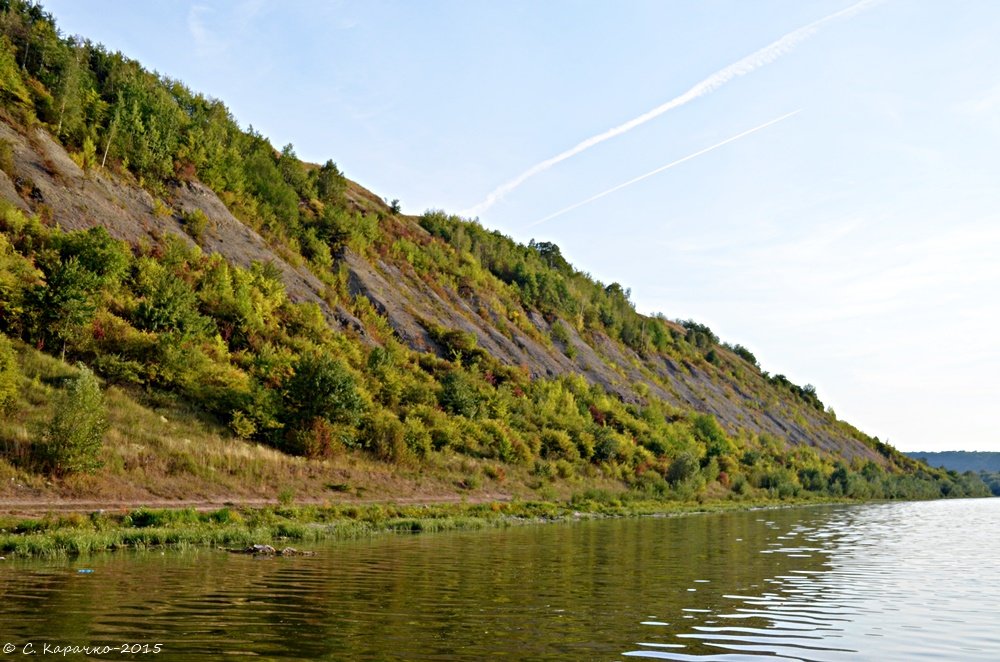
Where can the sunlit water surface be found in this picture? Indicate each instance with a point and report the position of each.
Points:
(902, 581)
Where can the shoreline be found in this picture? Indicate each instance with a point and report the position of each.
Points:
(69, 534)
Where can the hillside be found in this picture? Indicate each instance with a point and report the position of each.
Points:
(148, 237)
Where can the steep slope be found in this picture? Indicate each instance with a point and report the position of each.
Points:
(305, 313)
(56, 186)
(47, 181)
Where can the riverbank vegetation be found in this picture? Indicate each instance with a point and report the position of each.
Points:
(144, 528)
(158, 369)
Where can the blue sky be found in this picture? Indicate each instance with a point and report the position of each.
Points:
(853, 245)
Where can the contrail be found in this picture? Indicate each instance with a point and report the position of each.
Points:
(662, 168)
(748, 64)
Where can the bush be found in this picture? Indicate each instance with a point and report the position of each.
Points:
(385, 437)
(318, 439)
(418, 439)
(683, 467)
(322, 386)
(72, 441)
(7, 158)
(10, 374)
(459, 394)
(195, 223)
(559, 333)
(557, 444)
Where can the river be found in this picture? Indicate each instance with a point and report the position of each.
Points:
(897, 581)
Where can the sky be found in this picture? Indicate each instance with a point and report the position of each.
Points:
(823, 177)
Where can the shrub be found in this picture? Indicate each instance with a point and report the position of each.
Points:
(72, 441)
(322, 387)
(385, 436)
(459, 394)
(99, 253)
(708, 431)
(745, 354)
(195, 223)
(418, 439)
(7, 158)
(559, 333)
(169, 304)
(10, 374)
(557, 444)
(318, 439)
(683, 467)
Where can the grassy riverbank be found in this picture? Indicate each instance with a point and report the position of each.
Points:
(74, 534)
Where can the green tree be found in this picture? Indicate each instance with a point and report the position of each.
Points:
(322, 387)
(12, 89)
(72, 442)
(169, 303)
(107, 258)
(708, 431)
(294, 173)
(10, 375)
(330, 183)
(459, 394)
(65, 303)
(683, 467)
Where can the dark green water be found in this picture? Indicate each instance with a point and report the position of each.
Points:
(880, 582)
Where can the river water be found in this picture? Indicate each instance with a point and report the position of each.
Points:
(900, 581)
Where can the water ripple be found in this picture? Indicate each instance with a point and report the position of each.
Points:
(886, 581)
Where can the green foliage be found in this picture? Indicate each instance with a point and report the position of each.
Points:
(385, 436)
(458, 345)
(805, 393)
(168, 303)
(72, 442)
(195, 223)
(559, 333)
(745, 354)
(557, 444)
(682, 468)
(708, 431)
(459, 394)
(330, 183)
(145, 130)
(108, 259)
(322, 387)
(64, 303)
(10, 375)
(12, 88)
(318, 439)
(17, 279)
(699, 335)
(7, 158)
(992, 481)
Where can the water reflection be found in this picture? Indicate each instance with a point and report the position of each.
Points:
(899, 581)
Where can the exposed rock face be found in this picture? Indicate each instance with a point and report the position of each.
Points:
(51, 182)
(47, 181)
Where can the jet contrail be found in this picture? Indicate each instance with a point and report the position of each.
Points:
(662, 168)
(748, 64)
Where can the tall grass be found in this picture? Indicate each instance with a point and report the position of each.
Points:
(144, 528)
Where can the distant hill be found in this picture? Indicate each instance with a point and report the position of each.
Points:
(960, 461)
